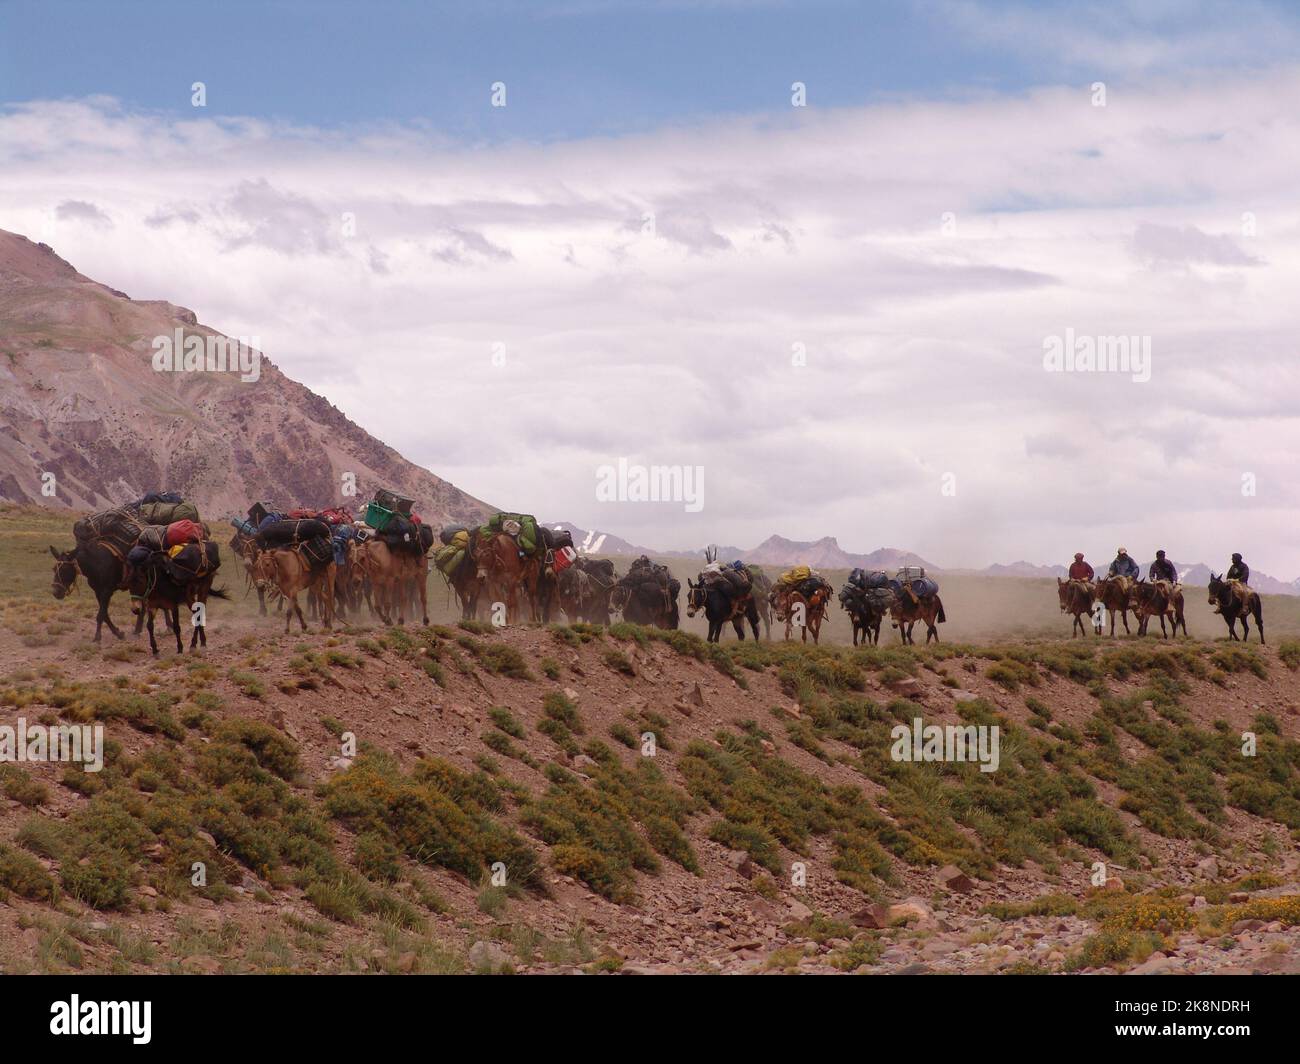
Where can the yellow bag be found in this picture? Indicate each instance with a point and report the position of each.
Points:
(797, 575)
(173, 551)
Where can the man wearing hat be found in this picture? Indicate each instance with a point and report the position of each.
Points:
(1239, 570)
(1081, 570)
(1124, 566)
(1163, 569)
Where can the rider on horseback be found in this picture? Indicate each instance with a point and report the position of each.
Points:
(1163, 569)
(1239, 570)
(1081, 570)
(1124, 566)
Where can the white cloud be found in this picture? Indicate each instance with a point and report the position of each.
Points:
(924, 347)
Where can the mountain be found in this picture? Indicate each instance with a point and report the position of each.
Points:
(1025, 569)
(80, 398)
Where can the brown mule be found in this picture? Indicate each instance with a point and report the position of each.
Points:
(1158, 599)
(1076, 597)
(288, 570)
(788, 605)
(502, 574)
(1114, 596)
(396, 577)
(906, 611)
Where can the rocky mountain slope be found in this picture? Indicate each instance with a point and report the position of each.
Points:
(80, 398)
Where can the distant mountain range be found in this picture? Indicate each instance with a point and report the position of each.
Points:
(826, 553)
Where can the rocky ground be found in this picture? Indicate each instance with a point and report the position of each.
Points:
(1180, 905)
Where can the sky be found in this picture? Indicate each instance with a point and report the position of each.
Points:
(838, 311)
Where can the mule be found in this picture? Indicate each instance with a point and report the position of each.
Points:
(105, 572)
(288, 570)
(397, 577)
(866, 615)
(906, 611)
(502, 573)
(1076, 597)
(789, 606)
(721, 608)
(1234, 600)
(1158, 599)
(155, 586)
(1113, 595)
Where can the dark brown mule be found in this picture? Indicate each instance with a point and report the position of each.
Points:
(789, 606)
(1234, 600)
(158, 585)
(866, 614)
(1076, 597)
(105, 572)
(906, 611)
(1114, 597)
(1158, 599)
(288, 570)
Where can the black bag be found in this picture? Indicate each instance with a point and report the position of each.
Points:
(556, 539)
(319, 551)
(286, 533)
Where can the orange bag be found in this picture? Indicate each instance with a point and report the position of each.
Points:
(182, 532)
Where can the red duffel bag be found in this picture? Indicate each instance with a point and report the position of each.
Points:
(185, 531)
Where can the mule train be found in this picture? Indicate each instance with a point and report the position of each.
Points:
(509, 569)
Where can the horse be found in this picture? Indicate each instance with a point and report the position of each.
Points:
(1233, 599)
(1114, 597)
(866, 614)
(155, 586)
(1076, 598)
(791, 607)
(290, 572)
(719, 608)
(105, 572)
(906, 611)
(1158, 599)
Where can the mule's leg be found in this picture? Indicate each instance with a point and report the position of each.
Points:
(153, 646)
(291, 604)
(102, 618)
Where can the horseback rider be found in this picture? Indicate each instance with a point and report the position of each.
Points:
(1163, 569)
(1124, 566)
(1239, 570)
(1081, 570)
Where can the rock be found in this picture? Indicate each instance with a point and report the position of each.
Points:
(955, 879)
(909, 909)
(740, 862)
(338, 764)
(768, 747)
(1156, 964)
(205, 837)
(696, 696)
(964, 696)
(201, 964)
(487, 957)
(571, 694)
(583, 761)
(1114, 883)
(908, 687)
(148, 891)
(405, 963)
(1238, 896)
(874, 917)
(1208, 868)
(1246, 925)
(798, 910)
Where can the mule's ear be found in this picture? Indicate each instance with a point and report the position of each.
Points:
(56, 555)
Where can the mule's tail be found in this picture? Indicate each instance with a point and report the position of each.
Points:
(940, 618)
(218, 593)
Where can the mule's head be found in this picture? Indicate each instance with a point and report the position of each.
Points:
(695, 597)
(1063, 593)
(65, 573)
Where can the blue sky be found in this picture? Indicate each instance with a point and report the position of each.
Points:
(591, 67)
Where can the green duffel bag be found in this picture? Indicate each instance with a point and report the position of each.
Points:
(165, 513)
